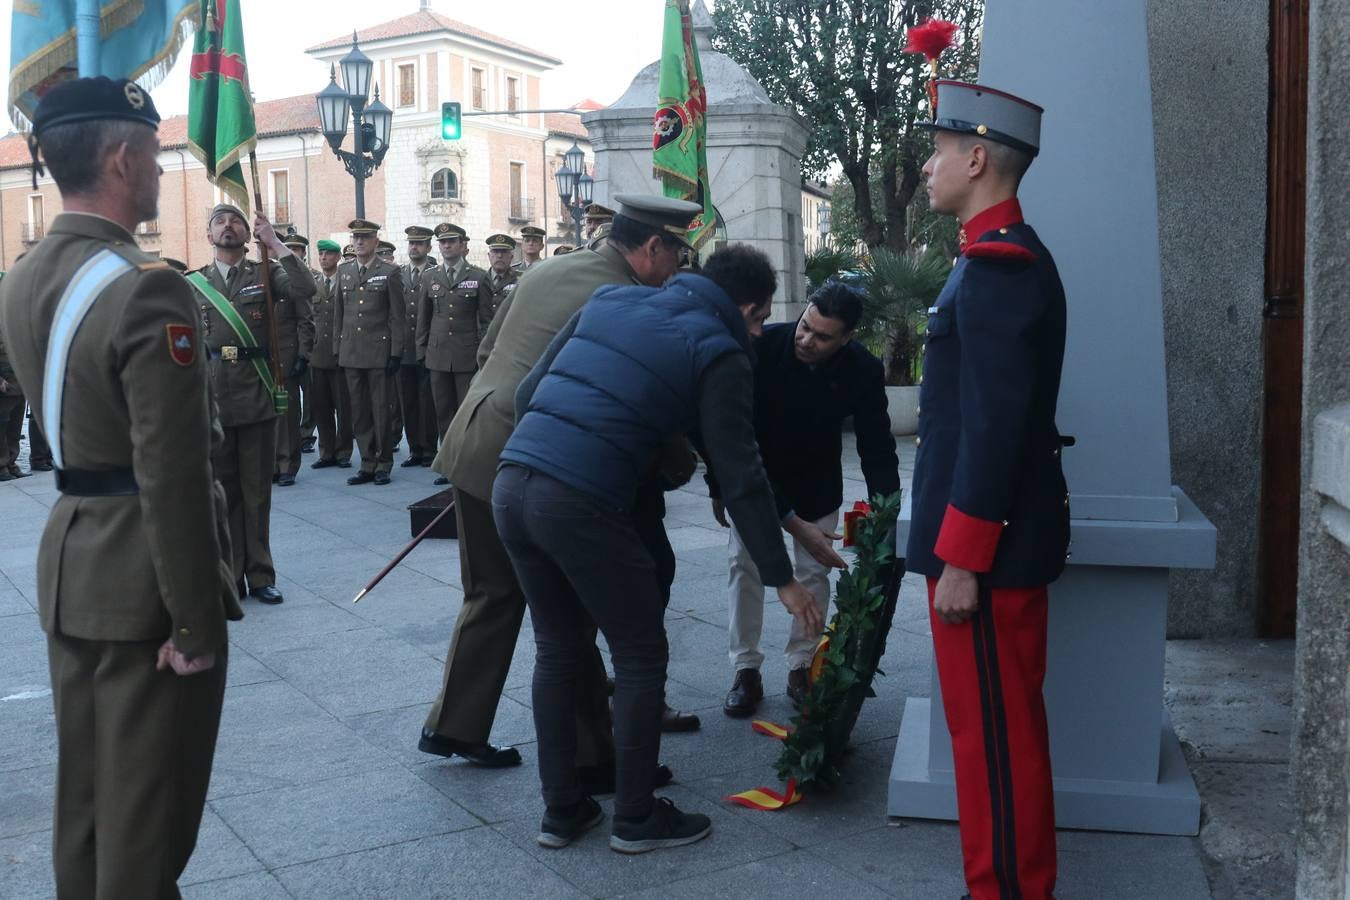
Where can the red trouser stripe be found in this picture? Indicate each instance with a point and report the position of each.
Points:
(992, 668)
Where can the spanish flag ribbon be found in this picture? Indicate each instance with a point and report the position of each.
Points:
(861, 510)
(769, 729)
(767, 799)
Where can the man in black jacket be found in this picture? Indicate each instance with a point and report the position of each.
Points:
(808, 378)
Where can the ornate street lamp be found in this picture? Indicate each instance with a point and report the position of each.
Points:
(575, 187)
(371, 126)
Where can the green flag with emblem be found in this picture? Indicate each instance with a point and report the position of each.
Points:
(221, 128)
(680, 127)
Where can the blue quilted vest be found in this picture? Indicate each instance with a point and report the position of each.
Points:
(625, 383)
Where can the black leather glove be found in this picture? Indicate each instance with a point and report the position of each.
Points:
(391, 367)
(299, 367)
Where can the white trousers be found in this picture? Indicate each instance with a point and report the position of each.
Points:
(745, 593)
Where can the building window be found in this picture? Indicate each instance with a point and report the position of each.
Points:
(281, 197)
(444, 185)
(479, 92)
(36, 226)
(512, 94)
(407, 81)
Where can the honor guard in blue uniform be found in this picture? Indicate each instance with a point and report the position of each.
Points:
(990, 526)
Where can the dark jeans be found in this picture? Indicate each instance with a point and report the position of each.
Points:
(580, 561)
(649, 519)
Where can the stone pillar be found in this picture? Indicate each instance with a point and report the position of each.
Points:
(1321, 758)
(754, 159)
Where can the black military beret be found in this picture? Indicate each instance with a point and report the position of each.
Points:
(88, 99)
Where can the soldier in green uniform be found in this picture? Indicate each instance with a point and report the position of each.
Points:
(295, 333)
(531, 247)
(329, 400)
(134, 583)
(368, 332)
(418, 411)
(240, 379)
(596, 226)
(450, 318)
(12, 405)
(385, 251)
(502, 276)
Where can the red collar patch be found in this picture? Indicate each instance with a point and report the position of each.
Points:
(182, 344)
(1000, 215)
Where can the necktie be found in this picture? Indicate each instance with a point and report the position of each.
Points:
(234, 270)
(363, 272)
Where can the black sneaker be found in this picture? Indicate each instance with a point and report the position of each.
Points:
(665, 827)
(559, 830)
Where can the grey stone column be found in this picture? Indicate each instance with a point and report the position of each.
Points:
(1321, 760)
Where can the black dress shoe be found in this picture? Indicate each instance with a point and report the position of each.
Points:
(672, 720)
(344, 463)
(381, 477)
(598, 780)
(285, 480)
(40, 466)
(16, 472)
(361, 478)
(410, 462)
(441, 480)
(268, 594)
(307, 445)
(5, 476)
(746, 692)
(426, 462)
(485, 755)
(323, 464)
(799, 685)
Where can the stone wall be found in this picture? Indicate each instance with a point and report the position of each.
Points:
(1210, 70)
(1322, 684)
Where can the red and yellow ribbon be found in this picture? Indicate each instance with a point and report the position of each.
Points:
(767, 799)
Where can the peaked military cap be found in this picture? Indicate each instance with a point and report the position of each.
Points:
(446, 232)
(501, 242)
(220, 208)
(563, 249)
(325, 245)
(295, 240)
(988, 113)
(418, 233)
(531, 231)
(600, 213)
(385, 247)
(176, 265)
(348, 252)
(363, 226)
(665, 213)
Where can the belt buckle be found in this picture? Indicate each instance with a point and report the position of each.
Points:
(229, 354)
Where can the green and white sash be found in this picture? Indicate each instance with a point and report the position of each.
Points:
(280, 399)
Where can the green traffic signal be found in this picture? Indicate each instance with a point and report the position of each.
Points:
(450, 122)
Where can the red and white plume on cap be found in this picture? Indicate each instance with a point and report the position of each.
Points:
(931, 37)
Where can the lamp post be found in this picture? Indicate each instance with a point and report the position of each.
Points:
(573, 182)
(370, 124)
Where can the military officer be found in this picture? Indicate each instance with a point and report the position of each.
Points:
(385, 251)
(531, 247)
(455, 308)
(368, 332)
(417, 410)
(563, 249)
(134, 582)
(348, 252)
(502, 276)
(330, 401)
(12, 406)
(236, 337)
(39, 453)
(295, 331)
(596, 225)
(990, 509)
(643, 249)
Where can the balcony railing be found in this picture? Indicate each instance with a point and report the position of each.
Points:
(279, 214)
(33, 232)
(521, 209)
(148, 228)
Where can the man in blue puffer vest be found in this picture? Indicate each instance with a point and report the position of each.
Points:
(635, 366)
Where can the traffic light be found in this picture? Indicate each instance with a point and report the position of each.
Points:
(450, 123)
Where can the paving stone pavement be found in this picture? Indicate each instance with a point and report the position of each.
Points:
(319, 791)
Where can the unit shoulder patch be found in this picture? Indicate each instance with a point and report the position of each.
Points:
(182, 344)
(1000, 250)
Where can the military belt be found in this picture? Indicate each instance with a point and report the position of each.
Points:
(97, 482)
(234, 354)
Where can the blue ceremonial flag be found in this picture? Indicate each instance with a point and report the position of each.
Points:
(137, 40)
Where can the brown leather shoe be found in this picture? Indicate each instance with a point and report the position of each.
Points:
(673, 720)
(799, 685)
(746, 692)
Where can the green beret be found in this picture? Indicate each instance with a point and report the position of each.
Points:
(327, 246)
